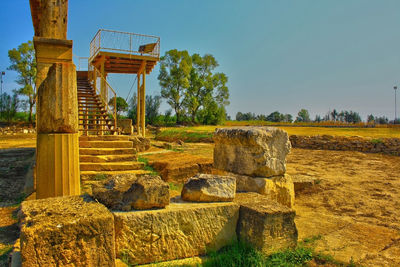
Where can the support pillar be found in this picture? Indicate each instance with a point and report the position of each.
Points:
(57, 149)
(138, 109)
(143, 106)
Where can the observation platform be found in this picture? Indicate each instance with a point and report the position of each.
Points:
(123, 52)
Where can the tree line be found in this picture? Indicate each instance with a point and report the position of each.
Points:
(196, 93)
(303, 115)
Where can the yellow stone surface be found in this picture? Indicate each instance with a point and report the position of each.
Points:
(50, 51)
(278, 188)
(267, 225)
(50, 18)
(66, 231)
(57, 167)
(181, 230)
(57, 105)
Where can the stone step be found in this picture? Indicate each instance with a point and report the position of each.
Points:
(107, 158)
(105, 138)
(106, 151)
(111, 166)
(88, 175)
(105, 144)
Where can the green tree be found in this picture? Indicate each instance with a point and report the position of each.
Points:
(153, 104)
(175, 68)
(122, 106)
(132, 112)
(303, 116)
(9, 106)
(23, 61)
(206, 89)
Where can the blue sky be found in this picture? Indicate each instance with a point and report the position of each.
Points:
(279, 55)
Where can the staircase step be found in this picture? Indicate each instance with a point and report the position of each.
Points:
(93, 119)
(107, 158)
(106, 151)
(105, 138)
(89, 175)
(111, 166)
(105, 144)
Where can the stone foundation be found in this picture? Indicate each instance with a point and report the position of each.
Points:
(66, 231)
(390, 146)
(181, 230)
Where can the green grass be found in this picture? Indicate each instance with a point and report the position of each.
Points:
(4, 252)
(175, 187)
(147, 167)
(241, 254)
(99, 177)
(204, 133)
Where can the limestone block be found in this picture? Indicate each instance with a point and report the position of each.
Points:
(253, 151)
(266, 225)
(181, 230)
(277, 188)
(125, 125)
(127, 192)
(50, 18)
(302, 182)
(57, 165)
(209, 188)
(57, 105)
(49, 51)
(66, 231)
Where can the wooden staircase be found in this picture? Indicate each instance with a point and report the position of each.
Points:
(93, 116)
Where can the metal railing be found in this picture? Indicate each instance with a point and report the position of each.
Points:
(81, 63)
(107, 95)
(125, 42)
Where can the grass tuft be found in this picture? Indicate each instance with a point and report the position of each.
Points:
(147, 167)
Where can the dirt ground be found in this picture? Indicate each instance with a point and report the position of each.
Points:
(352, 213)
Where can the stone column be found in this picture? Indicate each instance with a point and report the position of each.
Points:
(57, 149)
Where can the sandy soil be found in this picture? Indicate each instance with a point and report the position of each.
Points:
(354, 208)
(352, 213)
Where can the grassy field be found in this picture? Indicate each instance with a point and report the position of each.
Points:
(204, 133)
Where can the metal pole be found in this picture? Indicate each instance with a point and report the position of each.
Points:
(1, 91)
(395, 104)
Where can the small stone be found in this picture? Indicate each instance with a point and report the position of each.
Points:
(252, 151)
(302, 182)
(209, 188)
(127, 192)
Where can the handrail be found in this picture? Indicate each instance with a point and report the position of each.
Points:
(130, 43)
(105, 97)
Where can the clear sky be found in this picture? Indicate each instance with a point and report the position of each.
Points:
(279, 55)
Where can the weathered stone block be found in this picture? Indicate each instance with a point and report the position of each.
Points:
(57, 165)
(252, 151)
(66, 231)
(277, 188)
(127, 192)
(209, 188)
(266, 225)
(125, 125)
(57, 105)
(181, 230)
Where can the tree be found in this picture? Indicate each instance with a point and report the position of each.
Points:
(303, 116)
(317, 118)
(132, 112)
(122, 106)
(9, 106)
(370, 118)
(275, 116)
(23, 61)
(152, 106)
(175, 68)
(334, 114)
(205, 86)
